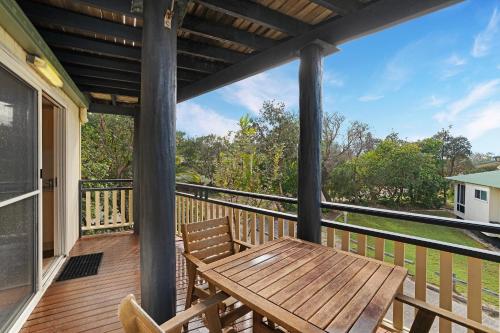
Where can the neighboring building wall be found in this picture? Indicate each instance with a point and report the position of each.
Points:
(495, 205)
(476, 209)
(13, 57)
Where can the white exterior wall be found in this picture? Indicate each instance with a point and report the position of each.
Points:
(13, 57)
(476, 209)
(495, 205)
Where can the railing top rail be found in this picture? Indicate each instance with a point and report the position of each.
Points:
(106, 180)
(406, 216)
(413, 240)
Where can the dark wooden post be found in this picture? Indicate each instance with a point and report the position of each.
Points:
(309, 191)
(157, 161)
(137, 183)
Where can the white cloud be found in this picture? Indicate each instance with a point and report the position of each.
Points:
(479, 93)
(197, 120)
(486, 120)
(455, 60)
(484, 40)
(333, 79)
(370, 98)
(434, 101)
(253, 91)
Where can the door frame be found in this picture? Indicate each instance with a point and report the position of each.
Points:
(60, 189)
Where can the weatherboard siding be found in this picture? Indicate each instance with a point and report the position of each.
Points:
(495, 205)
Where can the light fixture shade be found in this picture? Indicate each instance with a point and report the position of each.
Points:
(45, 69)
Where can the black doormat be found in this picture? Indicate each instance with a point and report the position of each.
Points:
(81, 266)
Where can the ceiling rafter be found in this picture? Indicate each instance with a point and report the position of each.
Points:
(259, 14)
(341, 7)
(114, 109)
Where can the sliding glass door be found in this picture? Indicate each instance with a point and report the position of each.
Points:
(19, 194)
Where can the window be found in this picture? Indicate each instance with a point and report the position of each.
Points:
(461, 198)
(481, 195)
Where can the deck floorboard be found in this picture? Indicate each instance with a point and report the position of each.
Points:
(90, 304)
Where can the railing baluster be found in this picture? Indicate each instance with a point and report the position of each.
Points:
(261, 228)
(421, 273)
(281, 228)
(445, 288)
(397, 308)
(114, 206)
(122, 207)
(253, 233)
(379, 248)
(131, 206)
(291, 229)
(346, 241)
(88, 213)
(474, 290)
(106, 208)
(245, 226)
(330, 237)
(270, 223)
(361, 244)
(97, 208)
(237, 233)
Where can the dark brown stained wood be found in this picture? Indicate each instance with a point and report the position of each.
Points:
(260, 271)
(310, 305)
(242, 257)
(157, 161)
(327, 260)
(108, 90)
(423, 322)
(269, 257)
(132, 111)
(313, 282)
(297, 263)
(371, 316)
(357, 304)
(309, 161)
(331, 308)
(136, 183)
(285, 289)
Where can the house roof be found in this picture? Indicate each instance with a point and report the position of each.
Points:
(98, 42)
(490, 178)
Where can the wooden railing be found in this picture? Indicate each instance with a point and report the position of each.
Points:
(106, 204)
(258, 225)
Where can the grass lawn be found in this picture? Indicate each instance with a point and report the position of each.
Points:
(445, 234)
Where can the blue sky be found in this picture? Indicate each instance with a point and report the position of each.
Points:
(416, 78)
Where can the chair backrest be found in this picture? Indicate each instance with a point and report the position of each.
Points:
(208, 240)
(134, 319)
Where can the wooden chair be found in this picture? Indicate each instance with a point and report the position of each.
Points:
(426, 314)
(206, 242)
(135, 320)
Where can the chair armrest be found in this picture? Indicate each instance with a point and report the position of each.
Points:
(195, 261)
(243, 245)
(174, 324)
(457, 319)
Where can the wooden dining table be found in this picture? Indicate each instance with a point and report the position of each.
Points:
(306, 287)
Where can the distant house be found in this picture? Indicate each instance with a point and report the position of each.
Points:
(477, 196)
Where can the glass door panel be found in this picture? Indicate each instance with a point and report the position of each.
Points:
(19, 195)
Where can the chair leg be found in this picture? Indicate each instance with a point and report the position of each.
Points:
(191, 282)
(422, 322)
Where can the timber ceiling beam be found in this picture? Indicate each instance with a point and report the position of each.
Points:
(100, 82)
(108, 90)
(102, 74)
(43, 14)
(95, 61)
(259, 14)
(115, 50)
(122, 110)
(374, 17)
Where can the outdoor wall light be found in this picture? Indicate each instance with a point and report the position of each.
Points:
(45, 69)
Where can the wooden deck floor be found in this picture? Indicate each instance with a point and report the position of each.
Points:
(90, 304)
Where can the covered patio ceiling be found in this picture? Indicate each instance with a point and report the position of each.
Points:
(98, 42)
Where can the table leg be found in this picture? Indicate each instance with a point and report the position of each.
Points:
(259, 326)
